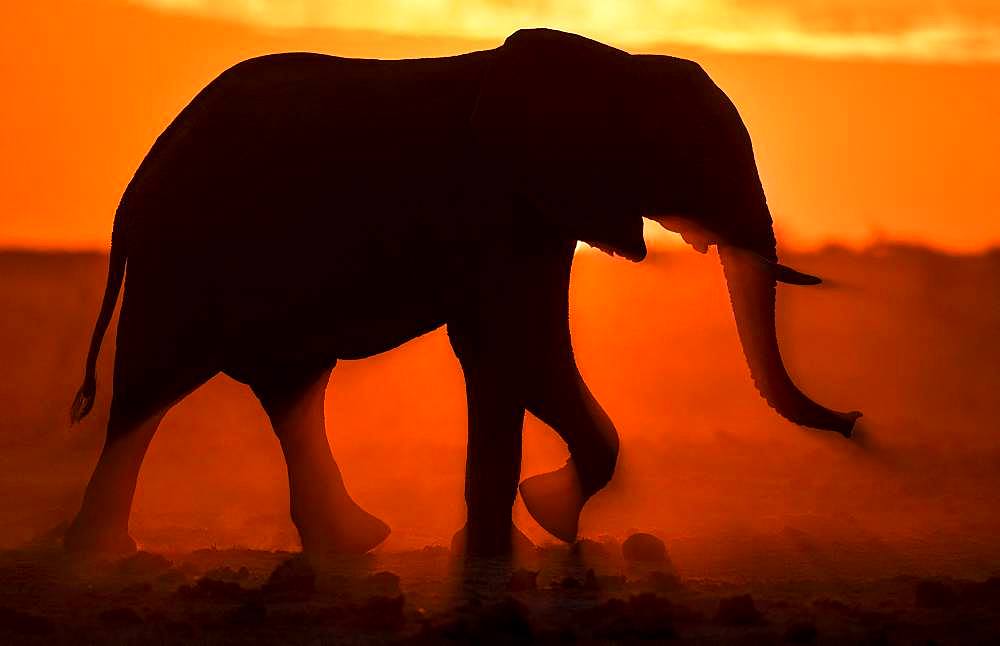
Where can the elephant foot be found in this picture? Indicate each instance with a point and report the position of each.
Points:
(84, 539)
(555, 501)
(490, 544)
(351, 530)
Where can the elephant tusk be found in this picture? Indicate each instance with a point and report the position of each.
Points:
(784, 274)
(788, 275)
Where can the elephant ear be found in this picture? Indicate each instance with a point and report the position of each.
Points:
(552, 114)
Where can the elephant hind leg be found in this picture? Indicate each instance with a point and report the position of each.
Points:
(101, 525)
(148, 381)
(327, 518)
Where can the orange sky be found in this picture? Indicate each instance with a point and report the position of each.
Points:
(870, 119)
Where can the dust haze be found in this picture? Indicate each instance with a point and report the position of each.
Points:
(905, 334)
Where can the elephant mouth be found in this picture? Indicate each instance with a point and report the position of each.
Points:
(635, 255)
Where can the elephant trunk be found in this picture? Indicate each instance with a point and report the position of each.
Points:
(751, 286)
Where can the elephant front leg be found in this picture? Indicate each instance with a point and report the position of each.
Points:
(328, 519)
(561, 399)
(493, 459)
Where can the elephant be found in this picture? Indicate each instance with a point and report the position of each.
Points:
(306, 208)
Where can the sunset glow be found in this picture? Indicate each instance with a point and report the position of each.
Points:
(951, 30)
(870, 120)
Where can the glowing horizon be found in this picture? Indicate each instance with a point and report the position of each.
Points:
(852, 150)
(953, 30)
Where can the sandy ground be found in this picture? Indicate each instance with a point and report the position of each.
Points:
(586, 594)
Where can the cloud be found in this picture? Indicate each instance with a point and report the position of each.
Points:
(940, 30)
(878, 16)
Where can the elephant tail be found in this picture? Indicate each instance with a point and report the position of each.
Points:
(84, 399)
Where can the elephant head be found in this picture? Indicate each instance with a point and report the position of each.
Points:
(595, 139)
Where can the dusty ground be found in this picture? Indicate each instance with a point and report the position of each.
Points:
(588, 594)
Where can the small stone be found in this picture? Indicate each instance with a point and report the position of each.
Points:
(610, 543)
(644, 548)
(293, 579)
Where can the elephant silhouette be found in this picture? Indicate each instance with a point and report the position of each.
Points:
(306, 208)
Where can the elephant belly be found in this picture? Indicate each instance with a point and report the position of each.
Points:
(341, 317)
(361, 339)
